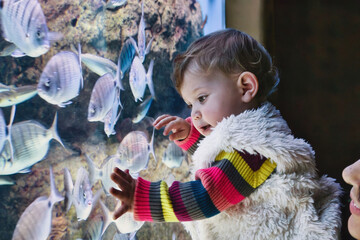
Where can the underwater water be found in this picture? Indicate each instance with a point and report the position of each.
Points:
(80, 84)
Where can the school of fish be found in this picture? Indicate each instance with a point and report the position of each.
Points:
(23, 144)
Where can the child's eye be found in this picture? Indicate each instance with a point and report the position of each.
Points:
(202, 98)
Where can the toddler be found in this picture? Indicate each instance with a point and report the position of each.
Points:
(252, 179)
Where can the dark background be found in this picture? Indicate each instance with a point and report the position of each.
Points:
(316, 46)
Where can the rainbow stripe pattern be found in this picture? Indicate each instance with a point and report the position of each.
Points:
(232, 177)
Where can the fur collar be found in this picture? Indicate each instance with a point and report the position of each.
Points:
(261, 130)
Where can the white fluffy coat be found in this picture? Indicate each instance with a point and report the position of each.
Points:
(294, 203)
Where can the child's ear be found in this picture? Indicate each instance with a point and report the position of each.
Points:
(248, 86)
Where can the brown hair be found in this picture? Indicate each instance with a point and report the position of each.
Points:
(232, 52)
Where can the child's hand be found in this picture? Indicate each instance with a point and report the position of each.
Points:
(127, 185)
(179, 127)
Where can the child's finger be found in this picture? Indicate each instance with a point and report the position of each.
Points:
(158, 119)
(163, 122)
(117, 193)
(120, 211)
(124, 174)
(119, 180)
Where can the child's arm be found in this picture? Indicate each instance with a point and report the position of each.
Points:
(184, 134)
(233, 177)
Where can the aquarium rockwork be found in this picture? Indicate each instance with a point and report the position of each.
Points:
(80, 85)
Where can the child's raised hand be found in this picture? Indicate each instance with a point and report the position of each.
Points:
(127, 185)
(179, 127)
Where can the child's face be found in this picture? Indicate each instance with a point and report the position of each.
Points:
(351, 175)
(211, 97)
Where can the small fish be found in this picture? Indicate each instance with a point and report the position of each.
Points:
(61, 79)
(103, 173)
(4, 180)
(141, 47)
(112, 4)
(138, 79)
(17, 95)
(173, 156)
(126, 57)
(142, 109)
(105, 94)
(135, 150)
(5, 132)
(35, 221)
(124, 224)
(4, 88)
(24, 24)
(111, 119)
(80, 195)
(30, 141)
(99, 65)
(94, 228)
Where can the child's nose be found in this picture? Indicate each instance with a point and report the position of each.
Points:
(195, 114)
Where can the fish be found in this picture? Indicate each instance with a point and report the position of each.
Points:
(79, 195)
(105, 94)
(35, 221)
(125, 236)
(141, 48)
(94, 228)
(142, 109)
(5, 132)
(111, 119)
(61, 79)
(30, 140)
(103, 173)
(5, 180)
(135, 150)
(126, 57)
(17, 95)
(173, 155)
(4, 88)
(24, 25)
(124, 224)
(112, 4)
(138, 79)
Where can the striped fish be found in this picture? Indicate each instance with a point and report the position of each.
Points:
(30, 140)
(111, 119)
(103, 173)
(35, 221)
(112, 4)
(105, 94)
(141, 47)
(23, 23)
(61, 79)
(135, 150)
(124, 224)
(17, 95)
(79, 194)
(138, 79)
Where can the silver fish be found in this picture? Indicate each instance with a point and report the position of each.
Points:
(124, 224)
(61, 79)
(30, 140)
(135, 150)
(5, 180)
(141, 47)
(112, 4)
(5, 132)
(4, 88)
(126, 57)
(17, 95)
(103, 173)
(142, 109)
(23, 23)
(94, 229)
(35, 221)
(105, 94)
(173, 156)
(111, 119)
(80, 195)
(138, 79)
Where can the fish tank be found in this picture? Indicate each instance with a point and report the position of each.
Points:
(80, 84)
